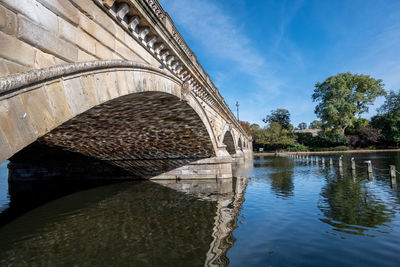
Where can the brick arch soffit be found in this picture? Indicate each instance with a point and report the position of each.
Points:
(13, 85)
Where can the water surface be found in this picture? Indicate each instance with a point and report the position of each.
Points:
(278, 212)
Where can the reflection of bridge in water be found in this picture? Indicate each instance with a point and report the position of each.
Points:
(229, 196)
(143, 223)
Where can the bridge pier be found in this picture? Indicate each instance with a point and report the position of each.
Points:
(211, 168)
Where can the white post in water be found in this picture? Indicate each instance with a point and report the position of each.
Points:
(331, 162)
(340, 161)
(323, 161)
(353, 164)
(369, 166)
(393, 174)
(317, 160)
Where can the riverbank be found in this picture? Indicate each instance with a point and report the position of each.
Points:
(326, 152)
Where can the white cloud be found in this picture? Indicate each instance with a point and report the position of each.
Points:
(223, 37)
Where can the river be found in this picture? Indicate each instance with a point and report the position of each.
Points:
(279, 211)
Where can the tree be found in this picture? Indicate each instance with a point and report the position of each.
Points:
(279, 115)
(277, 136)
(391, 104)
(340, 98)
(258, 135)
(356, 124)
(388, 119)
(302, 126)
(316, 124)
(368, 136)
(246, 127)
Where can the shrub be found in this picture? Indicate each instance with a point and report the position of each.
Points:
(297, 147)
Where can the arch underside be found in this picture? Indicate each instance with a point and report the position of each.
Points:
(229, 142)
(145, 133)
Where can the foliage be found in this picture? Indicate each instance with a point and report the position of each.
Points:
(368, 136)
(357, 123)
(258, 134)
(364, 137)
(392, 103)
(246, 127)
(388, 120)
(331, 139)
(297, 147)
(389, 124)
(277, 136)
(340, 98)
(302, 126)
(279, 115)
(316, 124)
(272, 137)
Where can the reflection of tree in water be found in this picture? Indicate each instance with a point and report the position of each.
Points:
(282, 182)
(350, 207)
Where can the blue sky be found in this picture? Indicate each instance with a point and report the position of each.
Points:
(269, 54)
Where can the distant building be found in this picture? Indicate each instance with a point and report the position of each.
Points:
(313, 132)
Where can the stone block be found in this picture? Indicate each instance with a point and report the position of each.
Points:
(75, 96)
(3, 68)
(89, 90)
(58, 102)
(130, 81)
(16, 51)
(36, 12)
(83, 56)
(63, 9)
(8, 21)
(122, 83)
(102, 91)
(5, 150)
(38, 111)
(103, 52)
(76, 36)
(111, 84)
(126, 53)
(97, 32)
(43, 60)
(15, 124)
(45, 40)
(97, 14)
(9, 67)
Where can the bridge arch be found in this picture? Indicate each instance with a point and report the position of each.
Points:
(49, 104)
(228, 141)
(240, 143)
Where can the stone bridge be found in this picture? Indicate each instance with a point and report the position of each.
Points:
(114, 81)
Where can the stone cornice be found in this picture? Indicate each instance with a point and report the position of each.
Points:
(18, 81)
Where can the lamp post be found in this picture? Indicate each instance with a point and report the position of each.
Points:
(237, 109)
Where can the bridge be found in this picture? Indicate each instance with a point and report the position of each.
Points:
(109, 81)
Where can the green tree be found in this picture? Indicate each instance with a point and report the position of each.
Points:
(340, 98)
(258, 134)
(281, 116)
(302, 126)
(276, 136)
(388, 119)
(316, 124)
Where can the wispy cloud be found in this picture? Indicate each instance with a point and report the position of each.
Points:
(225, 38)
